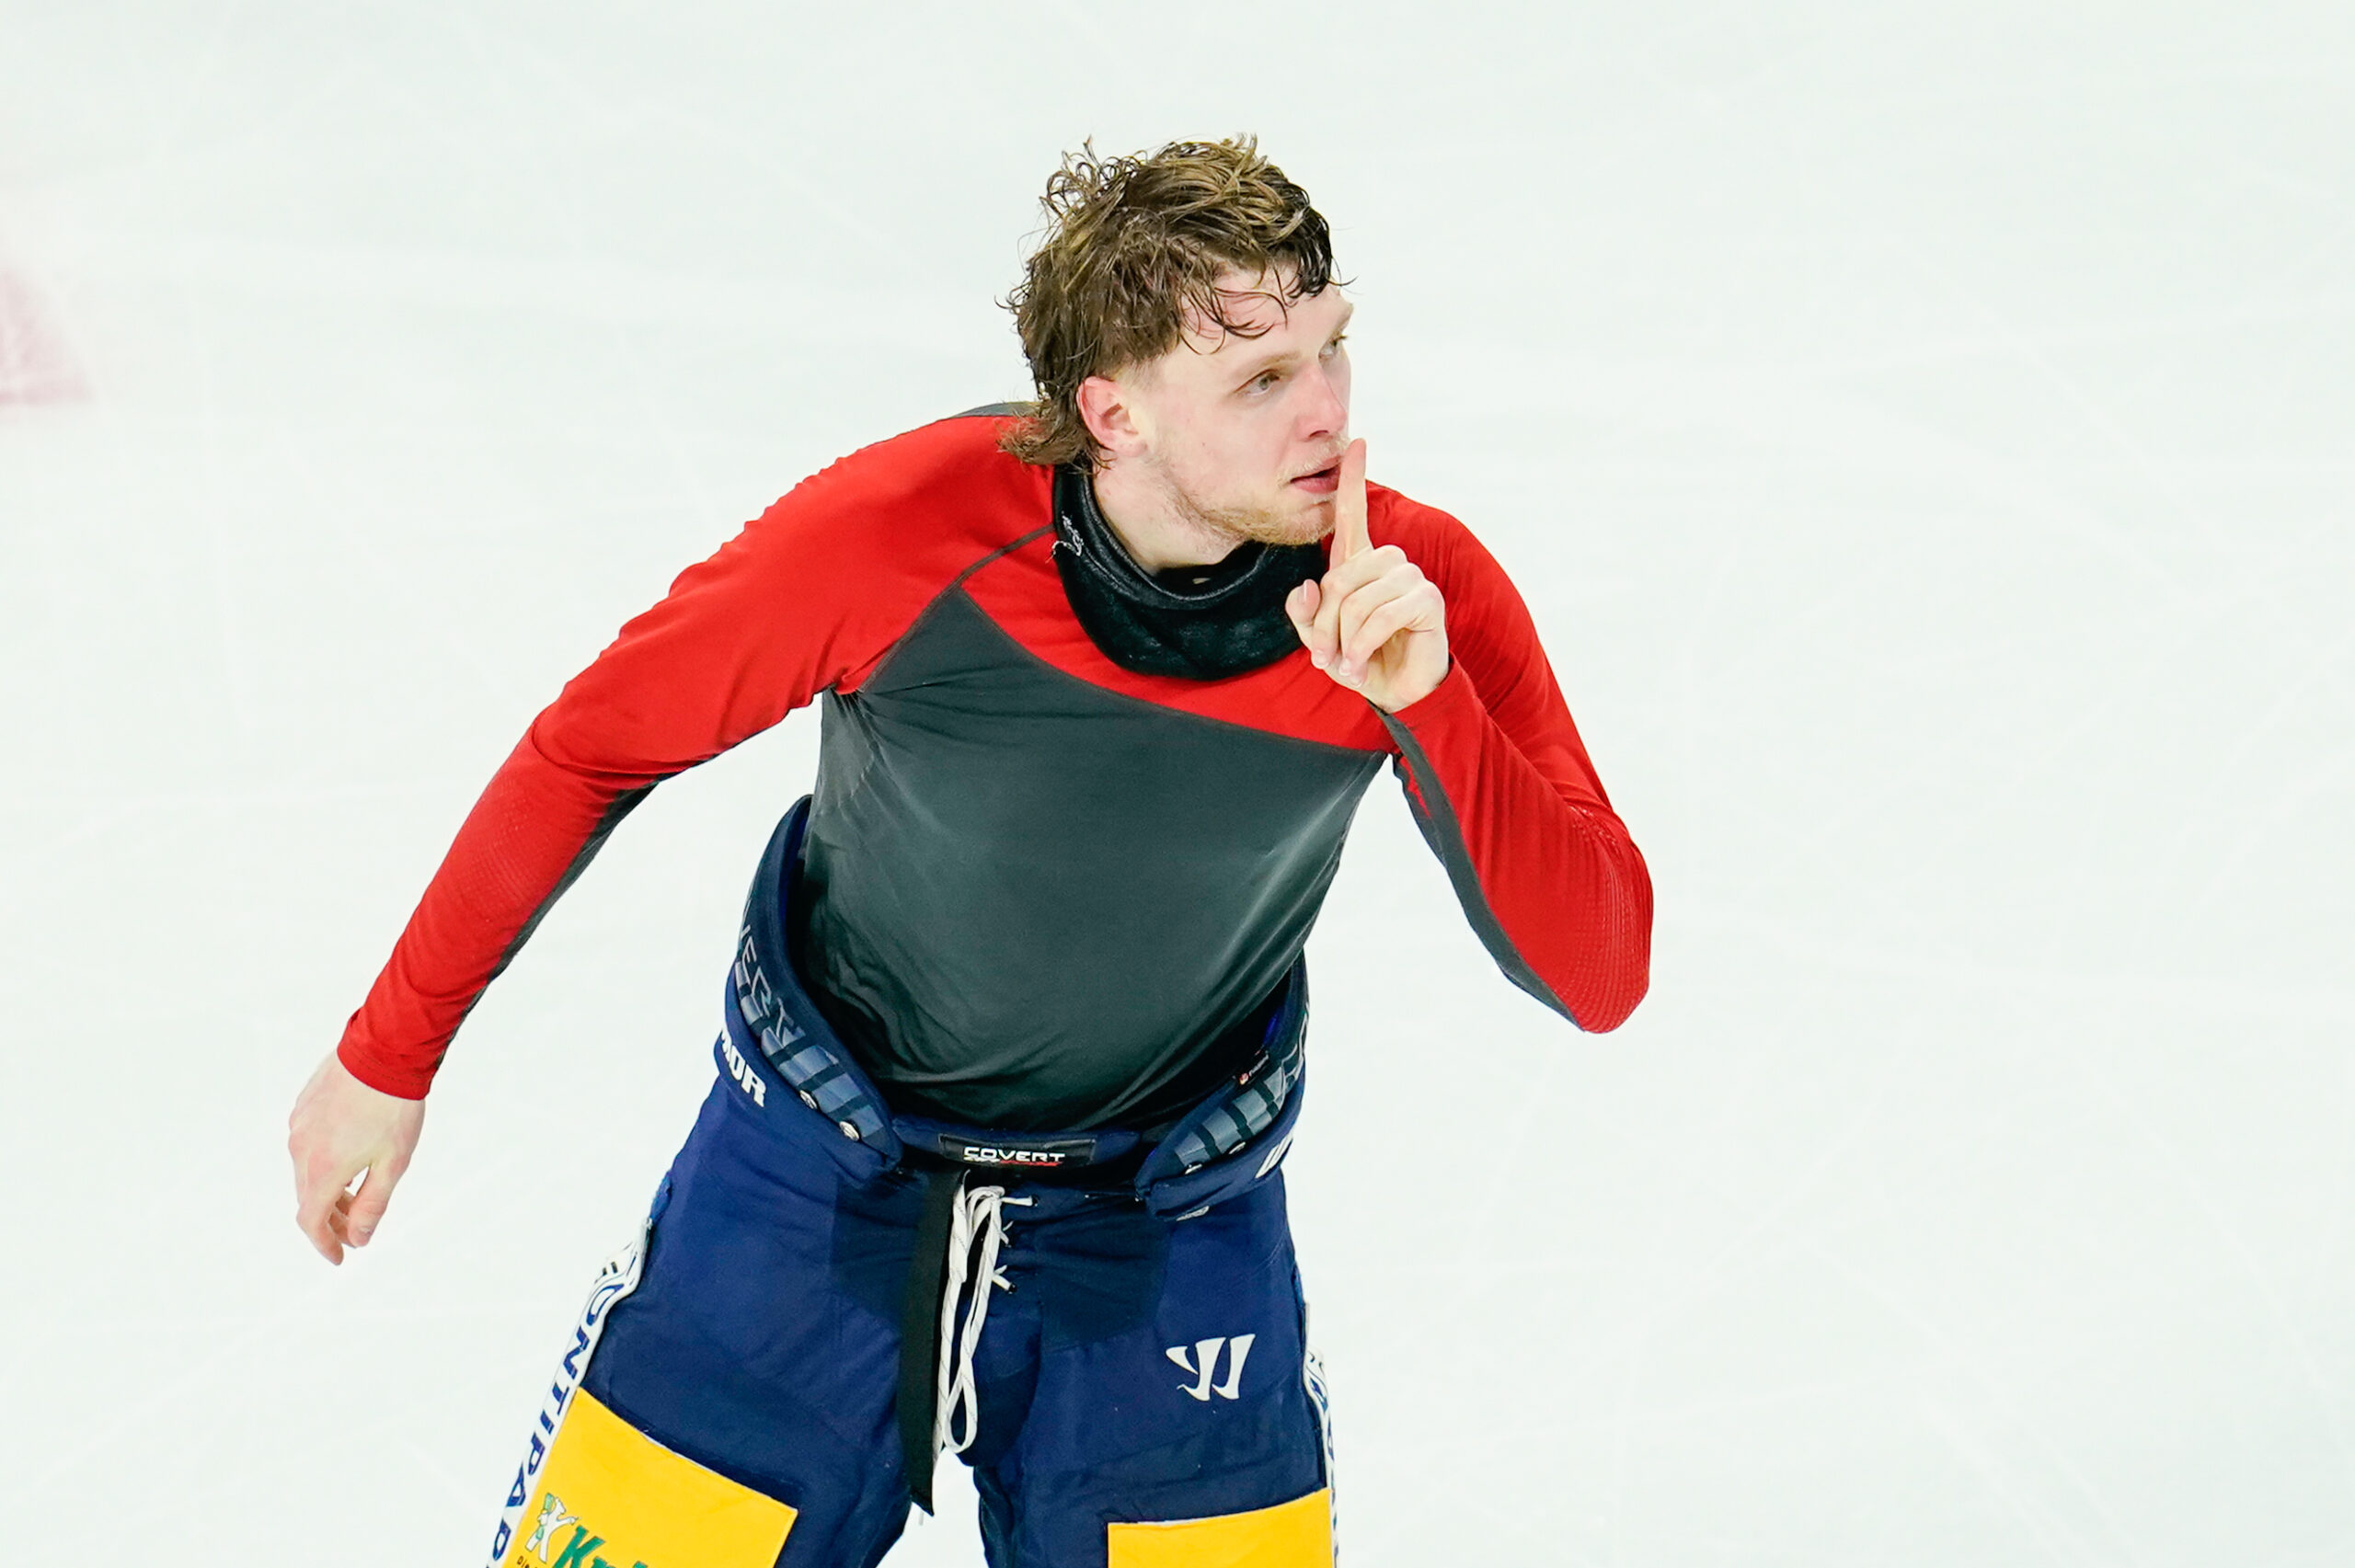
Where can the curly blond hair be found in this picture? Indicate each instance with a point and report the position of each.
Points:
(1134, 247)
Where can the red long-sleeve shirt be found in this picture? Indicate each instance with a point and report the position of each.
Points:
(1032, 866)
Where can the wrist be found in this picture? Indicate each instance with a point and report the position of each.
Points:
(1449, 683)
(382, 1077)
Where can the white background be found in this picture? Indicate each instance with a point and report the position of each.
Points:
(1927, 437)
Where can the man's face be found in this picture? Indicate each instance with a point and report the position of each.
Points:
(1244, 435)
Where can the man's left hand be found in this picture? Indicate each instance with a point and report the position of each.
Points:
(1375, 624)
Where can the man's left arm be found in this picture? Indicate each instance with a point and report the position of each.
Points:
(1498, 781)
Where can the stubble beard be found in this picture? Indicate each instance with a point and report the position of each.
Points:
(1240, 525)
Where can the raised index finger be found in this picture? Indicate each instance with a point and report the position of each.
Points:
(1349, 537)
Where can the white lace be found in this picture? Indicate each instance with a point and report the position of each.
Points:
(976, 1231)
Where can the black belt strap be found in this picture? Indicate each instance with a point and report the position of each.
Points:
(920, 1331)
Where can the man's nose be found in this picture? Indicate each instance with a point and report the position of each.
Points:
(1324, 412)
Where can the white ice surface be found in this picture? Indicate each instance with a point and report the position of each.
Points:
(1927, 437)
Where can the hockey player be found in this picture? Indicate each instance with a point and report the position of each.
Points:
(1013, 1040)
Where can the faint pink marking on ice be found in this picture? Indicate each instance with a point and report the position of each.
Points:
(34, 366)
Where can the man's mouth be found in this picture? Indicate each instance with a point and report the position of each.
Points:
(1323, 482)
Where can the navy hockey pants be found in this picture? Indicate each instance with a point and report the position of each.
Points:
(1143, 1393)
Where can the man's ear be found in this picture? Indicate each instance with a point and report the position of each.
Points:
(1108, 409)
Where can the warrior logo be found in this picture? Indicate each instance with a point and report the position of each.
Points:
(1201, 1364)
(741, 1070)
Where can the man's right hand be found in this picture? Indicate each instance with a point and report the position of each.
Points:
(340, 1127)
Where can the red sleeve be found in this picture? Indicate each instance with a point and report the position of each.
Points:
(808, 595)
(1501, 786)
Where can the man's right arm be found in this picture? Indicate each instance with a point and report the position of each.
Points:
(806, 596)
(682, 682)
(719, 659)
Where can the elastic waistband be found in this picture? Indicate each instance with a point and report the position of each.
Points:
(790, 1064)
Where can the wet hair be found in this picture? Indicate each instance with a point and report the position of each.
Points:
(1133, 253)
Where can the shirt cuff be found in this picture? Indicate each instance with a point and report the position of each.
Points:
(1454, 699)
(381, 1077)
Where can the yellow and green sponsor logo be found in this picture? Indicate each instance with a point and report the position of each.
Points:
(612, 1497)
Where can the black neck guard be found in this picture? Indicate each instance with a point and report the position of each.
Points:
(1224, 619)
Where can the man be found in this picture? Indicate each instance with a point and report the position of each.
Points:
(1013, 1039)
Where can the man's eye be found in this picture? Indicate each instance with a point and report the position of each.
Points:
(1261, 382)
(1335, 346)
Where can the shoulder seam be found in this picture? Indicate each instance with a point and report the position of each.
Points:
(1005, 549)
(875, 667)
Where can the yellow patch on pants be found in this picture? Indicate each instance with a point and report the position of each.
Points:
(610, 1492)
(1298, 1534)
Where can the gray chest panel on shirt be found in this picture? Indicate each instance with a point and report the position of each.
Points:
(1029, 902)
